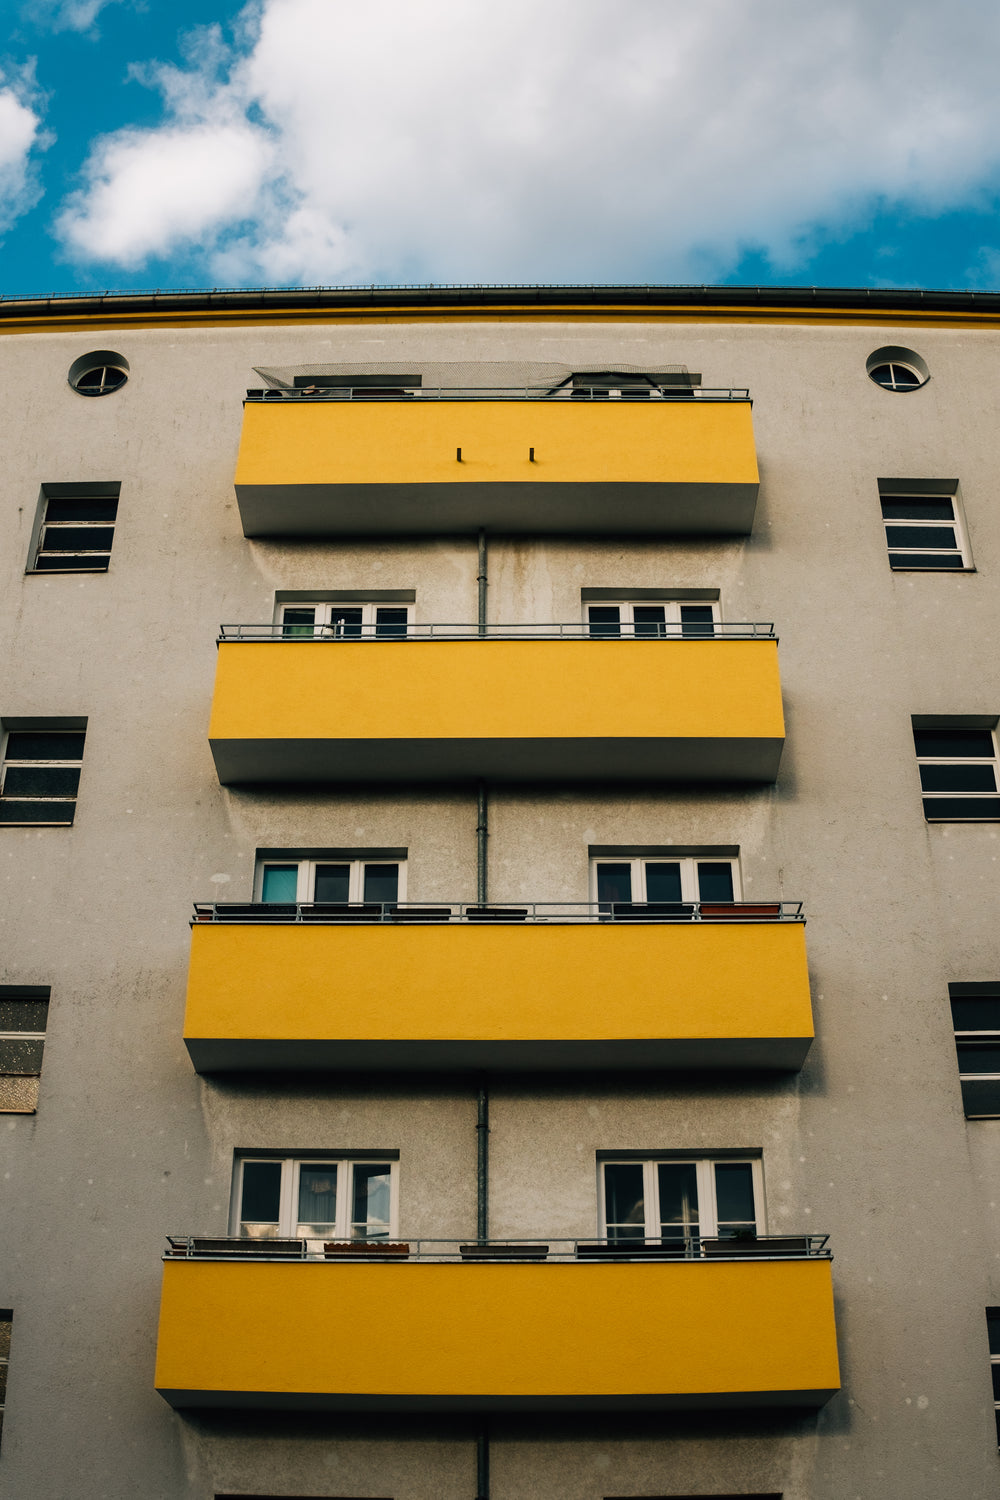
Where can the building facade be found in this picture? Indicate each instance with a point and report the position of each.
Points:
(500, 990)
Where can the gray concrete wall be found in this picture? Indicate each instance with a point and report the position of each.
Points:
(869, 1143)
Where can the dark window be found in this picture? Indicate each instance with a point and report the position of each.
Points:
(975, 1014)
(923, 532)
(40, 776)
(23, 1019)
(958, 774)
(993, 1333)
(6, 1323)
(896, 377)
(75, 534)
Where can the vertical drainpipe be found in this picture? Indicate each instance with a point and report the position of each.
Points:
(483, 1100)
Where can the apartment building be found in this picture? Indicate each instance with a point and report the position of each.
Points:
(500, 989)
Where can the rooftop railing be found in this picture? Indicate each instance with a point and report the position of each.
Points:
(390, 392)
(387, 1252)
(692, 631)
(562, 912)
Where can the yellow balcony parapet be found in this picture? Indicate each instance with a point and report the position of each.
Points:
(431, 990)
(328, 468)
(497, 1334)
(509, 709)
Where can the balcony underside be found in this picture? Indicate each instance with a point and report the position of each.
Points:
(481, 1337)
(591, 508)
(667, 759)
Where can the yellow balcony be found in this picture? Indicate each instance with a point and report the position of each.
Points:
(425, 1334)
(457, 994)
(334, 468)
(507, 709)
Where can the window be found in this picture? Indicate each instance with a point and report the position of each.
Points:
(75, 529)
(654, 881)
(24, 1013)
(40, 775)
(958, 773)
(98, 373)
(6, 1323)
(924, 531)
(345, 621)
(341, 881)
(993, 1331)
(315, 1198)
(975, 1014)
(665, 1201)
(631, 617)
(897, 369)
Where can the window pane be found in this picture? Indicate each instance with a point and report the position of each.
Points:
(36, 812)
(904, 377)
(21, 1055)
(954, 743)
(917, 508)
(961, 809)
(298, 622)
(41, 781)
(678, 1183)
(624, 1202)
(973, 1057)
(966, 776)
(992, 1328)
(370, 1215)
(381, 882)
(280, 883)
(921, 536)
(317, 1199)
(23, 1015)
(5, 1331)
(972, 1013)
(345, 622)
(715, 882)
(41, 744)
(663, 882)
(650, 619)
(18, 1093)
(697, 619)
(333, 883)
(261, 1199)
(940, 560)
(91, 509)
(71, 562)
(604, 619)
(390, 622)
(734, 1195)
(614, 883)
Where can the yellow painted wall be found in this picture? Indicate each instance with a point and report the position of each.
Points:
(530, 982)
(519, 1330)
(496, 689)
(403, 442)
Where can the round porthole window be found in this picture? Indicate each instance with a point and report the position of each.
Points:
(897, 369)
(99, 373)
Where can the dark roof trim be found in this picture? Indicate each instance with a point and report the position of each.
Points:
(774, 299)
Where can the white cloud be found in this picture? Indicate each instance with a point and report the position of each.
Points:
(20, 133)
(68, 15)
(560, 141)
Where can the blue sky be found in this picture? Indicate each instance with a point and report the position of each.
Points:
(316, 142)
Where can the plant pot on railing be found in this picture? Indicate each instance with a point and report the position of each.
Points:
(740, 911)
(771, 1245)
(365, 1250)
(496, 913)
(500, 1251)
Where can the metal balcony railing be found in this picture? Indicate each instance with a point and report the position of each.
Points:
(390, 392)
(691, 631)
(285, 912)
(691, 1247)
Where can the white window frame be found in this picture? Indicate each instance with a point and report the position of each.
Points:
(990, 800)
(63, 801)
(707, 1210)
(957, 524)
(307, 874)
(291, 1164)
(325, 619)
(671, 608)
(689, 872)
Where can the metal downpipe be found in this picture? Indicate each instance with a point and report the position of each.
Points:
(482, 579)
(483, 1464)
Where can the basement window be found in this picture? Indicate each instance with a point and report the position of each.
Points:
(40, 774)
(958, 773)
(315, 1198)
(23, 1018)
(975, 1013)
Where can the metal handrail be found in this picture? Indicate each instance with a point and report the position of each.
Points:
(283, 913)
(398, 392)
(577, 630)
(471, 1250)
